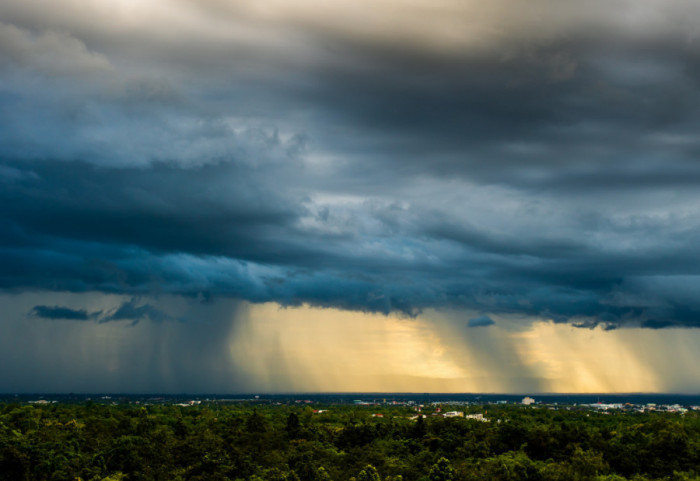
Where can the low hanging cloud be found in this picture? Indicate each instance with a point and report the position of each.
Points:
(481, 321)
(61, 312)
(136, 312)
(515, 166)
(132, 310)
(654, 324)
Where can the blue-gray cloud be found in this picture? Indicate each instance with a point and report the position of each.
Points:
(654, 324)
(61, 312)
(481, 321)
(132, 310)
(136, 312)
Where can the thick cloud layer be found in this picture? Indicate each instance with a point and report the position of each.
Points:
(537, 160)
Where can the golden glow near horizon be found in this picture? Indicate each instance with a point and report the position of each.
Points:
(313, 349)
(330, 350)
(228, 346)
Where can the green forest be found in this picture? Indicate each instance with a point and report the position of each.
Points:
(256, 442)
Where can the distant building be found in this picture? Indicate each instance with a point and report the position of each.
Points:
(528, 400)
(477, 417)
(454, 414)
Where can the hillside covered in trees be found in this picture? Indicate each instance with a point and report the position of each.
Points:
(90, 441)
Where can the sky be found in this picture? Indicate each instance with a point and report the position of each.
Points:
(419, 196)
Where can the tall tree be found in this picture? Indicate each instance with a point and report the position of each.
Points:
(369, 473)
(441, 471)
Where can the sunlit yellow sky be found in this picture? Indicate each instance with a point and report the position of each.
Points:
(329, 350)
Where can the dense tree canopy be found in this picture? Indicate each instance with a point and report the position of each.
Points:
(287, 443)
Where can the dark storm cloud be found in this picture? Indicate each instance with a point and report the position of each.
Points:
(131, 310)
(481, 321)
(609, 122)
(548, 170)
(130, 230)
(60, 312)
(654, 324)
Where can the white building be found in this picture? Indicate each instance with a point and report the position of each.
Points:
(477, 417)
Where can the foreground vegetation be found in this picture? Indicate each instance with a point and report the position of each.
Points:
(254, 443)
